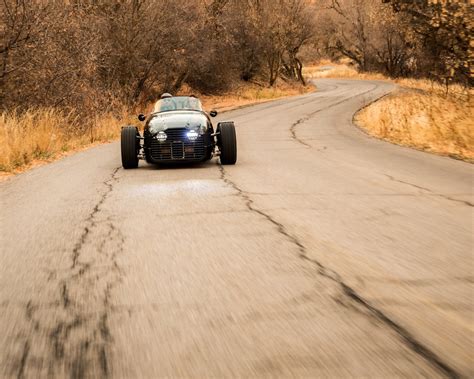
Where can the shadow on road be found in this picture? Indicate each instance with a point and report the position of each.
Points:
(178, 166)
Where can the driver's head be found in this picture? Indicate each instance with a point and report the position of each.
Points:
(167, 104)
(166, 95)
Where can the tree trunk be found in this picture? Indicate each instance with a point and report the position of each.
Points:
(299, 71)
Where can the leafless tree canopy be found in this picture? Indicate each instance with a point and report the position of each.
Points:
(425, 38)
(85, 53)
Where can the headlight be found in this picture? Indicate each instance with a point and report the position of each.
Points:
(161, 136)
(192, 135)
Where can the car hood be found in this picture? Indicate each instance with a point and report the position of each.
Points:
(174, 120)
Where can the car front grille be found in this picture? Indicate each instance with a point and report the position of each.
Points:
(177, 147)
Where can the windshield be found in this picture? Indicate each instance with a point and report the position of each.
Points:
(178, 103)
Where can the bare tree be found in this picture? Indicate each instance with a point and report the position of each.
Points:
(444, 29)
(85, 54)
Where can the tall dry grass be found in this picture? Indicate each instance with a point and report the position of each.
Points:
(43, 134)
(424, 120)
(420, 114)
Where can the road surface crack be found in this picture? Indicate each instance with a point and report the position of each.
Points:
(76, 326)
(293, 130)
(404, 335)
(310, 115)
(447, 197)
(90, 223)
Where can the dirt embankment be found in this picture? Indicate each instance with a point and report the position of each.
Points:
(420, 114)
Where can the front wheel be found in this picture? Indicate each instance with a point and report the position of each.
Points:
(227, 142)
(130, 144)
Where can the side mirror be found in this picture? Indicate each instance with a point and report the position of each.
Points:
(141, 117)
(213, 113)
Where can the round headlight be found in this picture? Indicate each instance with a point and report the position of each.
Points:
(161, 136)
(192, 135)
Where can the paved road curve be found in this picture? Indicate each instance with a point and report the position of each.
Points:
(323, 252)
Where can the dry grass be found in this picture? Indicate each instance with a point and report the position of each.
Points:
(423, 120)
(43, 135)
(328, 69)
(421, 114)
(252, 94)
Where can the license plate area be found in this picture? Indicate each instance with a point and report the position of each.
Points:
(177, 150)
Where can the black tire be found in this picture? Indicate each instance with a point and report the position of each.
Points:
(129, 145)
(227, 142)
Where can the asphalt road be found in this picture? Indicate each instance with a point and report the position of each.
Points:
(323, 252)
